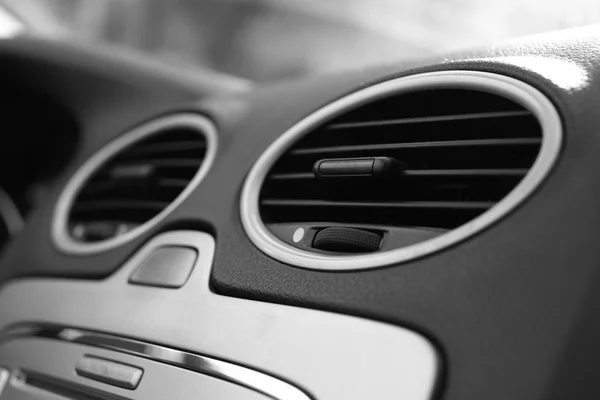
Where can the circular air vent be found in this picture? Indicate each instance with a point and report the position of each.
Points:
(134, 182)
(400, 170)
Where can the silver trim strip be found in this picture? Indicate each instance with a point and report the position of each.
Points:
(511, 88)
(4, 375)
(60, 233)
(248, 378)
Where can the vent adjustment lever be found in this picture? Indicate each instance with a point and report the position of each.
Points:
(349, 167)
(347, 240)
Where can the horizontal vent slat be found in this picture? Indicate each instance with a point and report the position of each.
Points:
(424, 120)
(100, 186)
(422, 173)
(89, 206)
(419, 145)
(172, 183)
(467, 172)
(165, 148)
(353, 204)
(292, 176)
(160, 189)
(159, 163)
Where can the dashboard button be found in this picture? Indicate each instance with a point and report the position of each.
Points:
(111, 372)
(168, 267)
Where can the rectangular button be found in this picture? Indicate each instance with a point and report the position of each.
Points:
(111, 372)
(168, 267)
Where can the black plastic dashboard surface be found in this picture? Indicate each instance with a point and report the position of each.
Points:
(515, 309)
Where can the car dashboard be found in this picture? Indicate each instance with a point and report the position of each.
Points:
(416, 231)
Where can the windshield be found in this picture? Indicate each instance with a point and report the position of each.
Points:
(268, 40)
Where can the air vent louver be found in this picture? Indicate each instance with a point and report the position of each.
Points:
(441, 159)
(462, 152)
(135, 179)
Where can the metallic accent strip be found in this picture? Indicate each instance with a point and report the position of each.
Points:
(239, 375)
(10, 214)
(4, 375)
(60, 235)
(511, 88)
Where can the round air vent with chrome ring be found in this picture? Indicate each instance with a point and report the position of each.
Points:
(399, 170)
(134, 182)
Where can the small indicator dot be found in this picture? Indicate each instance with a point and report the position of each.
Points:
(298, 235)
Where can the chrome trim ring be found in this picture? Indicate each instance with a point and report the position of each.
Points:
(239, 375)
(511, 88)
(60, 234)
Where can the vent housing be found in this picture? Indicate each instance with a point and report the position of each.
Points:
(133, 183)
(460, 149)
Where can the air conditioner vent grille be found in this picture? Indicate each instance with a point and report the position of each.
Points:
(462, 152)
(133, 182)
(137, 184)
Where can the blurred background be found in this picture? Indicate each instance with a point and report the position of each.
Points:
(269, 40)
